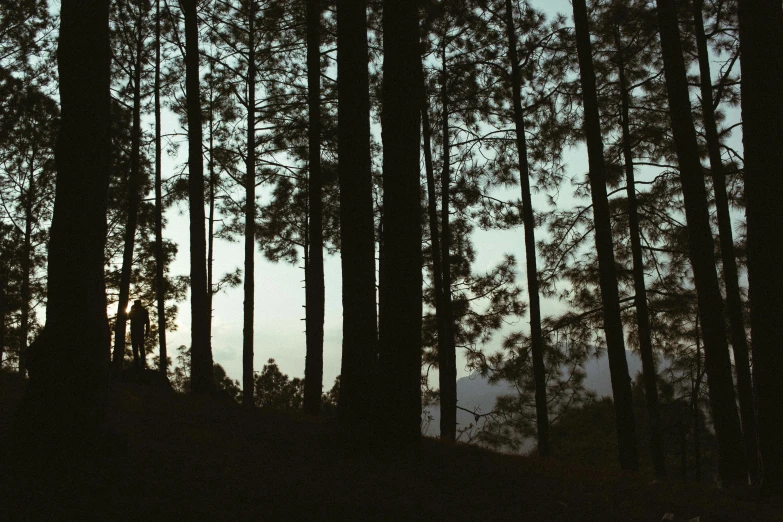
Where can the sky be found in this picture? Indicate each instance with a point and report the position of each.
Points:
(279, 287)
(279, 291)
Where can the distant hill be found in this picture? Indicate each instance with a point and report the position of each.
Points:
(475, 393)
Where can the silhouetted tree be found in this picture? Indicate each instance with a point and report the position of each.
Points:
(200, 313)
(313, 382)
(761, 31)
(69, 361)
(613, 328)
(700, 243)
(734, 303)
(399, 364)
(357, 226)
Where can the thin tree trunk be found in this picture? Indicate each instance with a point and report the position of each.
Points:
(447, 358)
(357, 227)
(250, 217)
(432, 213)
(731, 464)
(160, 291)
(24, 320)
(613, 326)
(134, 199)
(536, 337)
(211, 215)
(649, 372)
(761, 41)
(314, 363)
(733, 300)
(401, 290)
(3, 306)
(201, 349)
(696, 408)
(69, 361)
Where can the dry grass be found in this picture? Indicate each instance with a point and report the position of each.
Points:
(171, 457)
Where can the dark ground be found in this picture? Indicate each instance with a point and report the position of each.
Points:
(171, 457)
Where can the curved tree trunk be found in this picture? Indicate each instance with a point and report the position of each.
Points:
(761, 41)
(536, 337)
(649, 372)
(613, 326)
(357, 228)
(314, 287)
(733, 300)
(731, 464)
(201, 349)
(134, 199)
(432, 214)
(400, 292)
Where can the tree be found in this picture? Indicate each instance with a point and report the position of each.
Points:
(734, 303)
(160, 296)
(536, 337)
(357, 226)
(69, 361)
(700, 245)
(760, 31)
(613, 328)
(399, 364)
(313, 382)
(132, 36)
(200, 312)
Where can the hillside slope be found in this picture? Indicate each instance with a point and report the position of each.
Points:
(171, 457)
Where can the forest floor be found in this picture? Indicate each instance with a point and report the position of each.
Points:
(171, 457)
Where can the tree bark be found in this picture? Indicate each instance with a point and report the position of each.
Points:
(160, 291)
(447, 358)
(69, 361)
(357, 229)
(761, 35)
(250, 217)
(733, 300)
(134, 199)
(401, 289)
(613, 327)
(314, 362)
(201, 349)
(649, 372)
(536, 337)
(731, 464)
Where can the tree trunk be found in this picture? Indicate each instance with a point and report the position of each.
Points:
(642, 311)
(24, 320)
(134, 199)
(314, 362)
(733, 300)
(160, 291)
(401, 291)
(761, 32)
(696, 408)
(357, 228)
(731, 464)
(447, 358)
(69, 361)
(536, 337)
(201, 349)
(250, 217)
(3, 307)
(211, 215)
(432, 213)
(613, 326)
